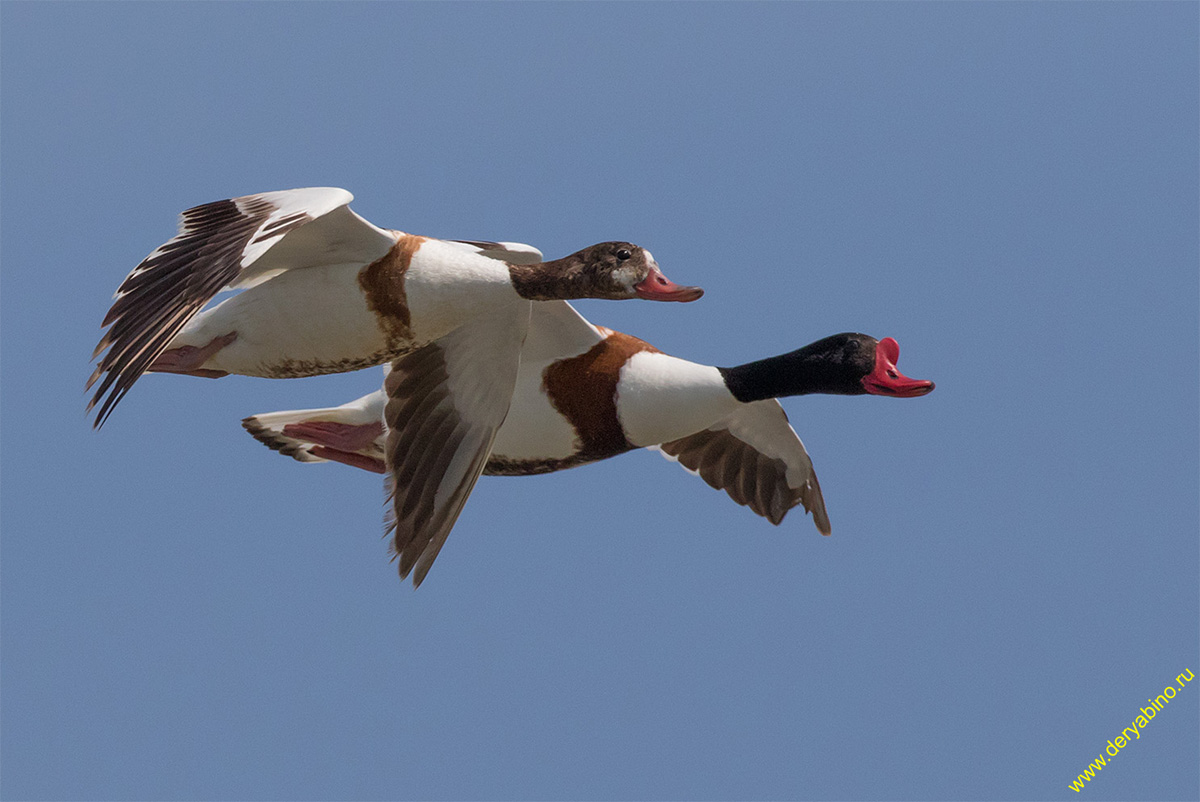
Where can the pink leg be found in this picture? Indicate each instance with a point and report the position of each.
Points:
(349, 458)
(340, 436)
(187, 359)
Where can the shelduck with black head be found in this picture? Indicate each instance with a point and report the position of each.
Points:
(586, 393)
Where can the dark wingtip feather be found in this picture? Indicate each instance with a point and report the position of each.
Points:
(391, 529)
(104, 343)
(777, 511)
(96, 374)
(814, 502)
(168, 288)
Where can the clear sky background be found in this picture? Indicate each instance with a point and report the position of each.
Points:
(1009, 189)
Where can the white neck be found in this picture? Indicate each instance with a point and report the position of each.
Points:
(662, 398)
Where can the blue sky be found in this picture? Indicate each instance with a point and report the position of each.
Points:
(1009, 190)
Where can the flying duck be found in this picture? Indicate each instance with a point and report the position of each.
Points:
(326, 291)
(586, 393)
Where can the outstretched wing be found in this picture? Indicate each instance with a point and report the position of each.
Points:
(226, 244)
(446, 401)
(517, 253)
(755, 456)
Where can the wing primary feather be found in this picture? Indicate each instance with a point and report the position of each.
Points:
(750, 455)
(218, 245)
(169, 286)
(445, 402)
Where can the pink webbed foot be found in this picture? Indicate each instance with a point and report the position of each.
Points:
(340, 442)
(350, 458)
(339, 436)
(187, 359)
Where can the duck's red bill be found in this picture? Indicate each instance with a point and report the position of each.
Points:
(886, 379)
(657, 287)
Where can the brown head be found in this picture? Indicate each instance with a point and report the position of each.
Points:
(610, 270)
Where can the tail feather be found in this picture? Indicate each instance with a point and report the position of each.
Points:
(268, 430)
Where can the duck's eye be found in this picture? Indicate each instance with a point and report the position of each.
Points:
(623, 255)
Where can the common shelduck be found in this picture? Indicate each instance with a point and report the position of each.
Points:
(586, 393)
(326, 291)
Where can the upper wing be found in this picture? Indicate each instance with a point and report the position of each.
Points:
(556, 331)
(755, 456)
(446, 401)
(226, 244)
(517, 253)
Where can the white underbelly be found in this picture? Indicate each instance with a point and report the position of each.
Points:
(300, 323)
(534, 429)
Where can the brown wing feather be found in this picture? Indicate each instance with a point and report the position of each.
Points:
(169, 287)
(748, 476)
(446, 401)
